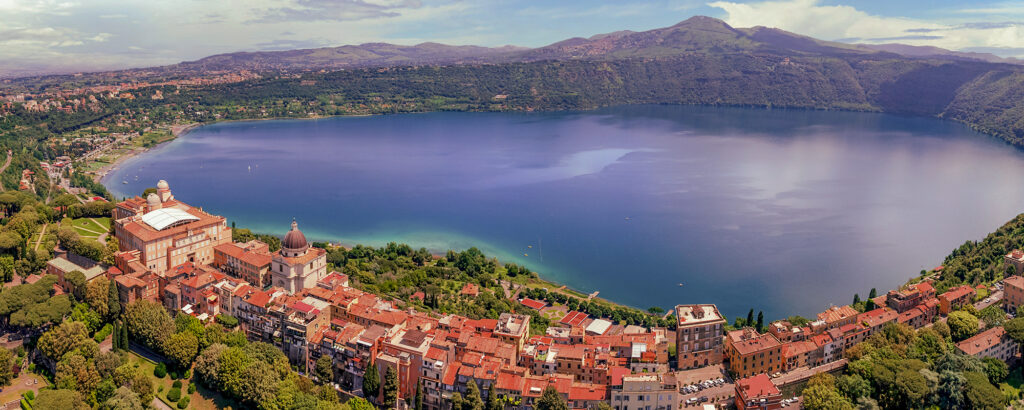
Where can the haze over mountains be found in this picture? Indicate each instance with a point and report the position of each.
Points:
(698, 34)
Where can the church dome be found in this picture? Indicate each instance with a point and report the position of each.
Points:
(162, 185)
(294, 240)
(153, 201)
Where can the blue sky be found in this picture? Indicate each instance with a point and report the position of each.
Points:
(71, 35)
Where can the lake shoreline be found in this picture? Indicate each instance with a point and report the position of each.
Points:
(530, 169)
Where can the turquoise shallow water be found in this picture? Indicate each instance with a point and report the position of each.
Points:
(782, 211)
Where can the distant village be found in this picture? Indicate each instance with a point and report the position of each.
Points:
(182, 257)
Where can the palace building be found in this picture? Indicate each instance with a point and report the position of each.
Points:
(167, 232)
(297, 265)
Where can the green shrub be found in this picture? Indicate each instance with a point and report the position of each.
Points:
(191, 388)
(159, 388)
(174, 375)
(187, 375)
(228, 321)
(30, 395)
(176, 384)
(160, 371)
(174, 394)
(183, 403)
(103, 333)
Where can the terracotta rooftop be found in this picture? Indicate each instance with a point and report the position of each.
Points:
(756, 387)
(982, 341)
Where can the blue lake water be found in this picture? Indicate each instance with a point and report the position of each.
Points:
(781, 211)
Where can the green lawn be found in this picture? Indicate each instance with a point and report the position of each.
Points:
(87, 228)
(202, 399)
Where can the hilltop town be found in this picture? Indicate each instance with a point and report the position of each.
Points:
(191, 286)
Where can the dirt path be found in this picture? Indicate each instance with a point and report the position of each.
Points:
(41, 233)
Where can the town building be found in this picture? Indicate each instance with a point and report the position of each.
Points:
(956, 297)
(1015, 259)
(750, 353)
(994, 342)
(1013, 293)
(906, 298)
(838, 316)
(248, 261)
(757, 393)
(646, 392)
(698, 335)
(167, 232)
(297, 265)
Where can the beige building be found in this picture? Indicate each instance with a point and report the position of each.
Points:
(698, 335)
(167, 232)
(646, 392)
(297, 265)
(990, 343)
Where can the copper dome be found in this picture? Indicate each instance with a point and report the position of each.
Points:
(294, 239)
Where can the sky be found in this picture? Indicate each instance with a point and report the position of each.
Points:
(89, 35)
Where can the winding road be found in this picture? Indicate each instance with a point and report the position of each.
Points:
(4, 168)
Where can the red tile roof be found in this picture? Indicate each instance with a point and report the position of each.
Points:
(982, 341)
(756, 387)
(533, 304)
(573, 318)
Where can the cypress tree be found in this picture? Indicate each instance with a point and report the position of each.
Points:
(872, 294)
(113, 300)
(371, 382)
(760, 320)
(856, 298)
(750, 317)
(419, 396)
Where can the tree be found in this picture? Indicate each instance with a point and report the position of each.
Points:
(78, 373)
(872, 294)
(62, 339)
(950, 391)
(962, 325)
(825, 397)
(856, 298)
(472, 397)
(142, 385)
(207, 365)
(760, 320)
(995, 369)
(419, 396)
(1015, 329)
(980, 393)
(124, 344)
(750, 317)
(113, 300)
(390, 388)
(551, 400)
(259, 383)
(492, 399)
(324, 369)
(96, 295)
(6, 366)
(148, 323)
(358, 403)
(853, 386)
(76, 281)
(371, 381)
(181, 349)
(456, 399)
(59, 399)
(123, 399)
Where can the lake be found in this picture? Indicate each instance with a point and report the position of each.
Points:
(778, 210)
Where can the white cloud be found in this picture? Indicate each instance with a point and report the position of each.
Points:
(846, 23)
